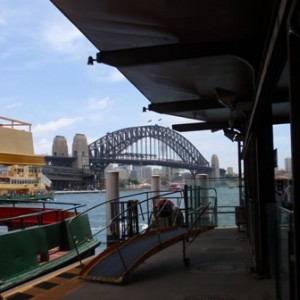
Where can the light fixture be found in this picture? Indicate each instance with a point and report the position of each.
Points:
(90, 61)
(231, 133)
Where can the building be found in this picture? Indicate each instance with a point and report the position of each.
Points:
(230, 171)
(288, 165)
(215, 172)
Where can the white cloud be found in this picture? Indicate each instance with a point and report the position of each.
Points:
(104, 74)
(54, 125)
(98, 104)
(13, 105)
(43, 147)
(63, 37)
(9, 104)
(116, 76)
(14, 21)
(96, 109)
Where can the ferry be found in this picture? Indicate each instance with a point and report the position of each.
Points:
(36, 237)
(175, 186)
(39, 237)
(24, 182)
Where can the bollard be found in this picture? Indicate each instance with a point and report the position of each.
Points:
(112, 207)
(202, 183)
(155, 187)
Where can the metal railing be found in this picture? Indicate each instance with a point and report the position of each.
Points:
(189, 210)
(36, 217)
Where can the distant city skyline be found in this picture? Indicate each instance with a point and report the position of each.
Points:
(60, 142)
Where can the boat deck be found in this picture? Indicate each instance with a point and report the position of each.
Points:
(220, 269)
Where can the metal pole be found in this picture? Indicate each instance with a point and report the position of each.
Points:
(240, 173)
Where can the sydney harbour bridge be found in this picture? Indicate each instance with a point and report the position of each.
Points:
(152, 145)
(147, 145)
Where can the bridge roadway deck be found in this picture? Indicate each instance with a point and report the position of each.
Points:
(220, 269)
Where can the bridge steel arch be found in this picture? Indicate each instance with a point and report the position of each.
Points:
(111, 148)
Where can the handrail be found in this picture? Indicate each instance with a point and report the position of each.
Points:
(201, 210)
(147, 200)
(39, 214)
(127, 196)
(151, 213)
(117, 218)
(139, 203)
(43, 202)
(35, 214)
(286, 210)
(121, 244)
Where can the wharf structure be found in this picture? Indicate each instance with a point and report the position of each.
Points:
(225, 65)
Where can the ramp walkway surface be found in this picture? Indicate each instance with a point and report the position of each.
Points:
(117, 261)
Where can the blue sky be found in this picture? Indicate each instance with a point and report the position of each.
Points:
(45, 80)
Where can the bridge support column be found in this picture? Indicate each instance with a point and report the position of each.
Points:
(112, 207)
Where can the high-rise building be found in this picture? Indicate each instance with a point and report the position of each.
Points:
(124, 172)
(230, 171)
(215, 173)
(146, 173)
(60, 146)
(166, 172)
(288, 165)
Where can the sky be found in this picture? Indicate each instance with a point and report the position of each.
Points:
(45, 81)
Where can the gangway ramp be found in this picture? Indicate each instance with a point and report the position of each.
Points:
(117, 261)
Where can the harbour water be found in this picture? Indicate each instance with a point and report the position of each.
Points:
(227, 197)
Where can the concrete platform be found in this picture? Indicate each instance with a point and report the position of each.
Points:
(220, 269)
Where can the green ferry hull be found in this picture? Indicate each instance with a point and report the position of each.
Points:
(26, 253)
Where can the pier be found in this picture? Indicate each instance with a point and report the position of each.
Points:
(221, 268)
(78, 192)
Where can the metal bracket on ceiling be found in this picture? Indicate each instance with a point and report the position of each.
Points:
(232, 134)
(226, 98)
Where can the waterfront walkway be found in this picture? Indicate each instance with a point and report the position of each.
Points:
(220, 269)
